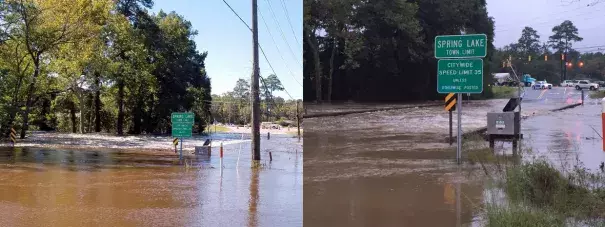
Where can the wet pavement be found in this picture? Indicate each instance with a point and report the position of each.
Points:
(109, 187)
(392, 168)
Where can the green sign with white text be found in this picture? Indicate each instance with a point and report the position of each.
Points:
(183, 118)
(460, 76)
(461, 46)
(181, 130)
(182, 124)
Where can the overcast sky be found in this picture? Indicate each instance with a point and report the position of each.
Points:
(512, 16)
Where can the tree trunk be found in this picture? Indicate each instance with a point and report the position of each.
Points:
(97, 103)
(30, 94)
(315, 48)
(72, 113)
(81, 98)
(120, 126)
(331, 71)
(137, 112)
(15, 107)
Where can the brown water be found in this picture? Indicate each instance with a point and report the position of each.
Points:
(50, 187)
(393, 168)
(362, 170)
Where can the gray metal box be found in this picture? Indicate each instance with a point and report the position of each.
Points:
(504, 123)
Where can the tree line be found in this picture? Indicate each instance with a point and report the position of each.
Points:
(92, 66)
(553, 60)
(233, 107)
(382, 50)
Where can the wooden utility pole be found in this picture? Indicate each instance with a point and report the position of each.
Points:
(297, 119)
(254, 99)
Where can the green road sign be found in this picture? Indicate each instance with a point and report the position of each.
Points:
(183, 118)
(461, 46)
(181, 130)
(460, 76)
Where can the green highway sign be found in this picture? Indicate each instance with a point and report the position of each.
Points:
(461, 46)
(181, 130)
(182, 118)
(460, 76)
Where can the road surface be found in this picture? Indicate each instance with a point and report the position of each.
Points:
(392, 168)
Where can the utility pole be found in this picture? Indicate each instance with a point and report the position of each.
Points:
(254, 99)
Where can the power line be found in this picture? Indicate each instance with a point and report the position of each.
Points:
(261, 48)
(283, 3)
(278, 51)
(535, 25)
(281, 31)
(548, 15)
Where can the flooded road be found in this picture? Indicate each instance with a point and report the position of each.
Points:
(108, 187)
(393, 168)
(568, 137)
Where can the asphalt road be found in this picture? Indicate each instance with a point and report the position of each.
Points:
(553, 98)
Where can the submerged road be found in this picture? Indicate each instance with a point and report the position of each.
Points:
(392, 168)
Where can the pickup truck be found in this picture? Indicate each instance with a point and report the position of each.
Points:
(586, 84)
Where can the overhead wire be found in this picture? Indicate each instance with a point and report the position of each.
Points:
(260, 47)
(290, 21)
(278, 51)
(281, 31)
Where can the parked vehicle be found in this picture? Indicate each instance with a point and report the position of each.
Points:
(586, 84)
(568, 83)
(601, 83)
(528, 80)
(541, 85)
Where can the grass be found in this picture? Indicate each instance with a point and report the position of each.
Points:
(217, 128)
(536, 192)
(597, 94)
(520, 216)
(502, 92)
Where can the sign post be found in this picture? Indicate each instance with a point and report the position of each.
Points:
(450, 105)
(182, 124)
(459, 70)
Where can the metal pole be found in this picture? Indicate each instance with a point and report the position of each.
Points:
(254, 99)
(451, 137)
(582, 97)
(459, 108)
(181, 150)
(458, 202)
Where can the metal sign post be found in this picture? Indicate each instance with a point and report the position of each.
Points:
(181, 150)
(459, 108)
(460, 70)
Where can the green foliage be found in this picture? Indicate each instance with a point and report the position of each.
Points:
(382, 50)
(519, 216)
(105, 66)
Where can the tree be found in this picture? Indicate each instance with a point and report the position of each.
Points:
(529, 43)
(242, 90)
(41, 32)
(564, 35)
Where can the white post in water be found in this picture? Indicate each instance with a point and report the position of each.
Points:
(459, 108)
(603, 121)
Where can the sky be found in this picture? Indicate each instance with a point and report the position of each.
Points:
(511, 16)
(229, 42)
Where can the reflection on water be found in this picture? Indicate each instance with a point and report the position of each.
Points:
(358, 174)
(44, 187)
(252, 219)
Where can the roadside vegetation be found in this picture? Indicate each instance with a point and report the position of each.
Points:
(597, 94)
(538, 192)
(504, 92)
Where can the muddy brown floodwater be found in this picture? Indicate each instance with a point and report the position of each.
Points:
(384, 169)
(95, 187)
